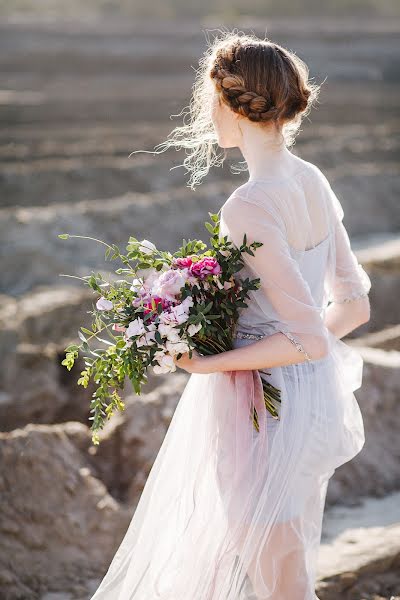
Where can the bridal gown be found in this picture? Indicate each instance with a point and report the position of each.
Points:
(229, 512)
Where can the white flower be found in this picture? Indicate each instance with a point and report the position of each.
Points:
(147, 247)
(148, 275)
(187, 303)
(147, 339)
(180, 312)
(169, 331)
(104, 304)
(166, 364)
(135, 327)
(177, 347)
(164, 329)
(167, 318)
(137, 284)
(173, 335)
(193, 328)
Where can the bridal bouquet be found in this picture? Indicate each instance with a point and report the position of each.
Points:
(162, 306)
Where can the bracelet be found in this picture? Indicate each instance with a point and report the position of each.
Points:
(351, 297)
(249, 336)
(297, 344)
(255, 336)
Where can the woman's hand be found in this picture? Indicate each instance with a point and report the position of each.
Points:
(196, 364)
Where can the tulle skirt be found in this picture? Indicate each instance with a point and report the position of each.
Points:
(232, 513)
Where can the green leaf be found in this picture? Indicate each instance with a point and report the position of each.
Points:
(72, 348)
(207, 308)
(86, 330)
(63, 236)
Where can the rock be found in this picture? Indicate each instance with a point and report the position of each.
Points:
(43, 391)
(385, 339)
(360, 563)
(53, 314)
(59, 526)
(382, 263)
(34, 332)
(43, 256)
(376, 469)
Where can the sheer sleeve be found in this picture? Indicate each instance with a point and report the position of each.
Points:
(284, 295)
(347, 280)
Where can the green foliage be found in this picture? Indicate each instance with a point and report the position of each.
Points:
(216, 303)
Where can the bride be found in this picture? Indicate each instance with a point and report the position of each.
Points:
(229, 512)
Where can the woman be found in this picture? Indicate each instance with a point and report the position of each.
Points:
(229, 512)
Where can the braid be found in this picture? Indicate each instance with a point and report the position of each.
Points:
(231, 85)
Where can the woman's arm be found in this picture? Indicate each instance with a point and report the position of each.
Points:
(271, 351)
(348, 283)
(342, 318)
(277, 350)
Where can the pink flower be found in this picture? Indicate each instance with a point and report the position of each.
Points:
(151, 306)
(206, 266)
(169, 284)
(183, 262)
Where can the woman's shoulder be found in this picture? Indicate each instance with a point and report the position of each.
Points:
(250, 203)
(270, 191)
(301, 171)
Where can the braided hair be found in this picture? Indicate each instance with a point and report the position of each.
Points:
(256, 78)
(260, 80)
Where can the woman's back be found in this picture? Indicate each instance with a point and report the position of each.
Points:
(306, 258)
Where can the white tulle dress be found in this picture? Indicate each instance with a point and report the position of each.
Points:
(229, 512)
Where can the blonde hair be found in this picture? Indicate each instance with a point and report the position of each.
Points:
(258, 79)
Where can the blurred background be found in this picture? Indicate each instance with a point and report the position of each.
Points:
(82, 85)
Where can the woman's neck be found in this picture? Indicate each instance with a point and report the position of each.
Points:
(265, 152)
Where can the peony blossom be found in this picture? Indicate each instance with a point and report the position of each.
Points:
(206, 266)
(169, 284)
(182, 262)
(104, 304)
